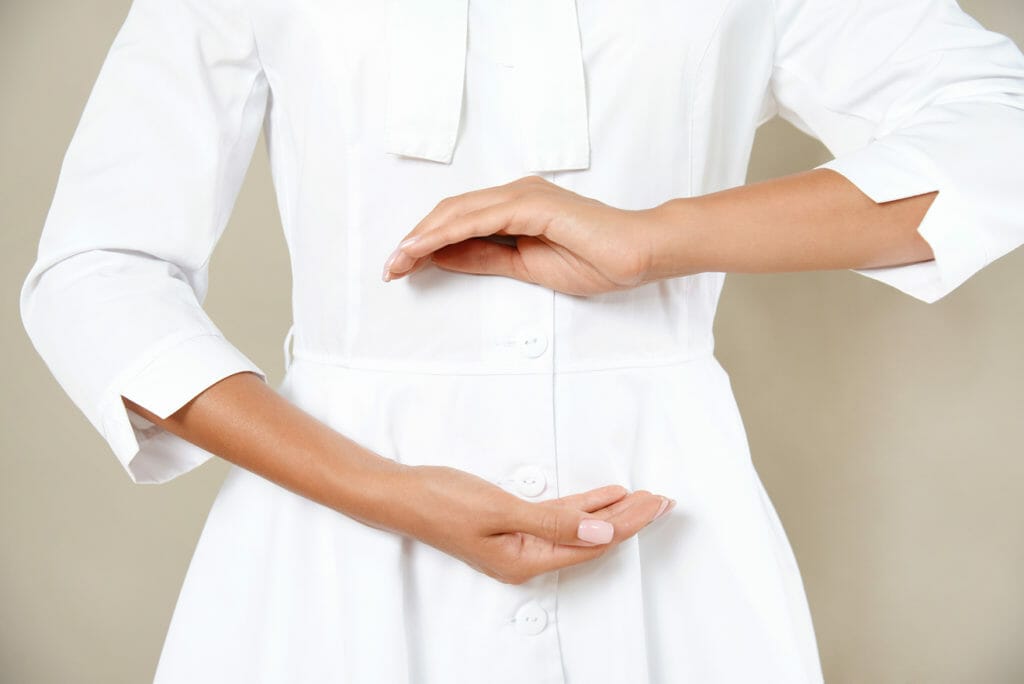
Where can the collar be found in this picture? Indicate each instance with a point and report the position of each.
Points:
(427, 42)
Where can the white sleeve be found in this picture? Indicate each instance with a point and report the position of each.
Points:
(113, 303)
(910, 97)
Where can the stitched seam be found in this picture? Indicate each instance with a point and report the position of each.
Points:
(360, 365)
(221, 221)
(252, 31)
(770, 92)
(808, 83)
(696, 88)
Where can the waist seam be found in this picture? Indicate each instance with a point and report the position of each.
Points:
(375, 365)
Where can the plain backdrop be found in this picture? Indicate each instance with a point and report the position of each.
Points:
(887, 431)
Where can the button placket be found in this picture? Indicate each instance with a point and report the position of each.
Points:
(518, 335)
(532, 621)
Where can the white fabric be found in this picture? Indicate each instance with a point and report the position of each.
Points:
(427, 57)
(498, 377)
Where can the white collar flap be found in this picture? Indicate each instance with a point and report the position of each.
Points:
(427, 42)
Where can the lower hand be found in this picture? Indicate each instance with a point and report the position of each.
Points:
(504, 536)
(564, 241)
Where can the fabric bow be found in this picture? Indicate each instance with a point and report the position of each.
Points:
(427, 50)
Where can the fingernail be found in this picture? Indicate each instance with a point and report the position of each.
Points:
(405, 243)
(661, 509)
(595, 531)
(391, 259)
(665, 508)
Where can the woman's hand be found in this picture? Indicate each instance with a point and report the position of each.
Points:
(502, 535)
(246, 422)
(564, 241)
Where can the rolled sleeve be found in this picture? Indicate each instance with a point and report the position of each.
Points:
(163, 384)
(113, 302)
(912, 98)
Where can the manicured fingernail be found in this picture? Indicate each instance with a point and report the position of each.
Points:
(661, 509)
(665, 509)
(405, 243)
(596, 531)
(391, 258)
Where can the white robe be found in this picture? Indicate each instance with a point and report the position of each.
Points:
(374, 112)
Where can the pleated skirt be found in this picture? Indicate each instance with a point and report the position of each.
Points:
(281, 589)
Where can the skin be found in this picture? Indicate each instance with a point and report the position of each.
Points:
(246, 422)
(812, 220)
(576, 245)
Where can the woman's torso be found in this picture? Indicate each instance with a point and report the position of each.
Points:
(675, 91)
(542, 393)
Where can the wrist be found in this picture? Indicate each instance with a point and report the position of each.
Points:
(668, 235)
(365, 485)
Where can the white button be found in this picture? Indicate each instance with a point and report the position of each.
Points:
(531, 343)
(530, 481)
(531, 619)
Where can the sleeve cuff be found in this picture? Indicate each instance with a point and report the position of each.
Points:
(163, 382)
(884, 173)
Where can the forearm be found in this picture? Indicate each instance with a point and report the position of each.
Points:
(244, 421)
(812, 220)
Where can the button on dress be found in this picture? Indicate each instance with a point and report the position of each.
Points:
(373, 113)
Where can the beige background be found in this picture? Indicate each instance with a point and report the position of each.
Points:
(886, 430)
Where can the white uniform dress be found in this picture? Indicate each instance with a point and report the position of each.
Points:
(374, 112)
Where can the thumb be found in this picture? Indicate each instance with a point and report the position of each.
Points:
(561, 524)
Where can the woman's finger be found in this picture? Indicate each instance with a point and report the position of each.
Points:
(629, 517)
(594, 499)
(538, 556)
(494, 219)
(456, 205)
(479, 256)
(632, 512)
(450, 208)
(558, 524)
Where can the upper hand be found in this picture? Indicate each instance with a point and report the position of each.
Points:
(564, 241)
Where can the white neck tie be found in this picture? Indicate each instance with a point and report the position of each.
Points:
(427, 43)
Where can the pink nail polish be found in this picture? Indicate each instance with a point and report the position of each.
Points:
(665, 509)
(405, 243)
(595, 531)
(661, 510)
(391, 258)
